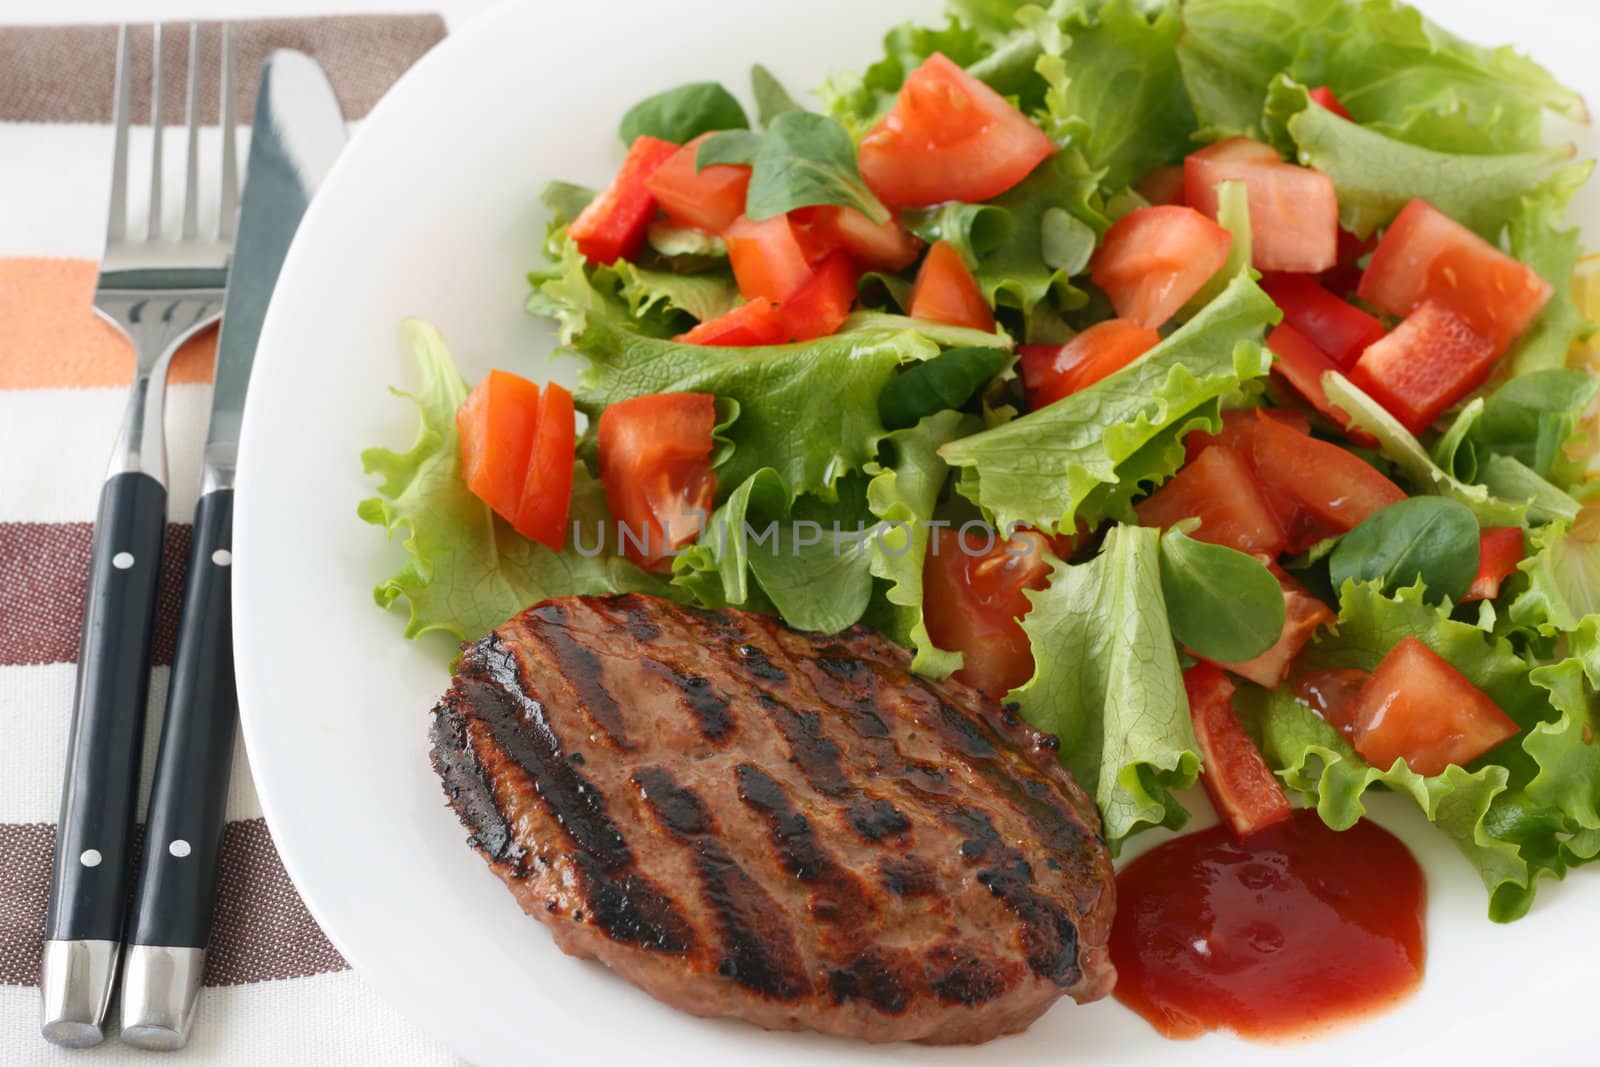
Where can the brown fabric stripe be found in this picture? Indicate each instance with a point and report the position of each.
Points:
(262, 931)
(66, 73)
(44, 573)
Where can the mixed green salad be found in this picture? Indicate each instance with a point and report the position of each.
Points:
(1196, 377)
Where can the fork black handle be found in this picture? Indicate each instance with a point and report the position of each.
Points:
(89, 883)
(188, 797)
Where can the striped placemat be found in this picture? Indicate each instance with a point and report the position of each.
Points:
(278, 992)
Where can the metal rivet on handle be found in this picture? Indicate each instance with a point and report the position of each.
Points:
(179, 848)
(90, 858)
(222, 557)
(122, 560)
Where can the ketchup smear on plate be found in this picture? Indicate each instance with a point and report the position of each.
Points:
(1286, 932)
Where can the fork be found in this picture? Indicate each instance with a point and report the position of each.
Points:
(159, 292)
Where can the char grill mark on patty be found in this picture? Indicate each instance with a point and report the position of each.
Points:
(548, 624)
(1049, 933)
(624, 902)
(759, 950)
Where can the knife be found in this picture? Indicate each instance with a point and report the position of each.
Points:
(297, 134)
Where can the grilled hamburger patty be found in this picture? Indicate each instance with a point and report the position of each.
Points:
(789, 828)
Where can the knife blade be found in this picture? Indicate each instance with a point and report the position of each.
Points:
(296, 136)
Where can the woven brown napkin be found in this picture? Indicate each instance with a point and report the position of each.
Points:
(65, 73)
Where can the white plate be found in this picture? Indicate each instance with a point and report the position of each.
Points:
(433, 212)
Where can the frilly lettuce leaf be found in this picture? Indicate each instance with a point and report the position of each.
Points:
(1526, 809)
(1011, 241)
(1108, 683)
(903, 493)
(468, 571)
(1038, 470)
(1563, 572)
(1538, 235)
(1376, 175)
(1397, 72)
(1114, 89)
(807, 411)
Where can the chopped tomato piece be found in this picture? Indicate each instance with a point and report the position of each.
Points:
(947, 292)
(1303, 364)
(949, 137)
(1426, 255)
(1154, 259)
(1418, 708)
(1499, 552)
(708, 199)
(1243, 789)
(1427, 363)
(1324, 96)
(820, 305)
(655, 465)
(889, 246)
(756, 322)
(1340, 329)
(973, 595)
(767, 257)
(547, 488)
(1334, 486)
(1219, 489)
(1332, 695)
(613, 226)
(1294, 214)
(1303, 615)
(1164, 185)
(1050, 372)
(497, 423)
(1238, 432)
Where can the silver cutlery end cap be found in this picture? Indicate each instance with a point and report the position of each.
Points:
(160, 988)
(75, 979)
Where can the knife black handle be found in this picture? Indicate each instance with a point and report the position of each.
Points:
(89, 882)
(177, 884)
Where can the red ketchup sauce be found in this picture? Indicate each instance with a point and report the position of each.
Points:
(1291, 930)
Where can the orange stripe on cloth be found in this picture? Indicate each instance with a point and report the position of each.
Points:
(51, 338)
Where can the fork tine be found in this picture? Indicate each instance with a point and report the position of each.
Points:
(191, 168)
(117, 226)
(157, 165)
(230, 160)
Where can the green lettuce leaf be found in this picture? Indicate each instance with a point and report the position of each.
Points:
(1039, 469)
(1413, 461)
(1114, 90)
(1394, 70)
(815, 561)
(1376, 175)
(467, 570)
(1538, 235)
(1007, 240)
(1108, 684)
(808, 411)
(1511, 829)
(903, 493)
(1563, 569)
(705, 295)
